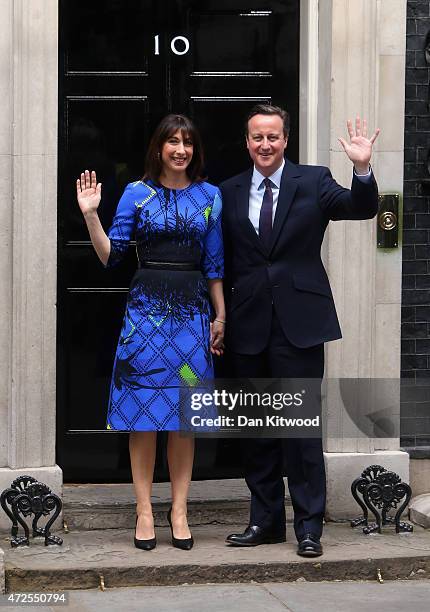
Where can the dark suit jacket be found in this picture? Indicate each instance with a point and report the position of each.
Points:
(290, 274)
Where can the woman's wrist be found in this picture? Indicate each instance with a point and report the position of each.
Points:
(90, 214)
(220, 320)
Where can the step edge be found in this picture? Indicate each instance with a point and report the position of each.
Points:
(159, 575)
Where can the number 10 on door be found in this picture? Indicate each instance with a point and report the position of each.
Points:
(180, 45)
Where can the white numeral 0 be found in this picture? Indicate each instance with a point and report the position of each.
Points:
(186, 43)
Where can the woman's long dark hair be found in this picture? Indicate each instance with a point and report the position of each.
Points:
(165, 129)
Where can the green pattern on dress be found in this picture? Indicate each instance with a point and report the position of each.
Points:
(188, 375)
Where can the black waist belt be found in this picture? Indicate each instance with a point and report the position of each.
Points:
(170, 265)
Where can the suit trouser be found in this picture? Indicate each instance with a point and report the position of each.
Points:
(263, 457)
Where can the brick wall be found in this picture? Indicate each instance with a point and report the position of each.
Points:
(415, 415)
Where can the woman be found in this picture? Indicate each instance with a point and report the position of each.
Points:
(167, 340)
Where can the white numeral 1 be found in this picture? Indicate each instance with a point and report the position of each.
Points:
(157, 45)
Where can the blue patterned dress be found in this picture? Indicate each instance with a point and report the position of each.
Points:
(164, 341)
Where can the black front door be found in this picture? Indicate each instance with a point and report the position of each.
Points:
(124, 64)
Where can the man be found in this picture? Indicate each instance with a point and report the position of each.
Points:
(281, 309)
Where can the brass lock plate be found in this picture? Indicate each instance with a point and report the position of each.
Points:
(388, 221)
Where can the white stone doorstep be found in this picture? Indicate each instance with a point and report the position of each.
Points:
(419, 510)
(343, 468)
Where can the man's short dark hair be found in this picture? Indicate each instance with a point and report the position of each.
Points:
(268, 109)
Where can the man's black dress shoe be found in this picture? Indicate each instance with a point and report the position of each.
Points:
(309, 546)
(255, 535)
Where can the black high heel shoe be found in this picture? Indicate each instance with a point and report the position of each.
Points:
(144, 544)
(182, 543)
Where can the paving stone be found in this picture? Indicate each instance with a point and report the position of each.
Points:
(354, 597)
(392, 596)
(216, 598)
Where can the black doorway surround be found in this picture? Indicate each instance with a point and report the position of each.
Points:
(124, 64)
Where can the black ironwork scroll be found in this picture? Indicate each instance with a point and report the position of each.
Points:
(381, 491)
(357, 488)
(25, 497)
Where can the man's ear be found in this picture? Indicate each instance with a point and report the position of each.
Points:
(286, 142)
(247, 142)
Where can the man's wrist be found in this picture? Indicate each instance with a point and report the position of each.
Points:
(361, 169)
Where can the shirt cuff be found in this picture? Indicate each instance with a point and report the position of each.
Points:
(364, 177)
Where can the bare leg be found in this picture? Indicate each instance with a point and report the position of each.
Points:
(142, 445)
(180, 455)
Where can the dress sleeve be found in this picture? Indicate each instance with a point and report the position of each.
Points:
(213, 251)
(122, 228)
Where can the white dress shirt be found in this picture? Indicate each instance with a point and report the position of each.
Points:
(256, 194)
(258, 188)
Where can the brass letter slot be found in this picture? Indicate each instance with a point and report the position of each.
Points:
(388, 221)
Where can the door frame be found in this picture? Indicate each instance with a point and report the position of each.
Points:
(308, 90)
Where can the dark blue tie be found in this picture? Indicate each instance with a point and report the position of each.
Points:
(265, 223)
